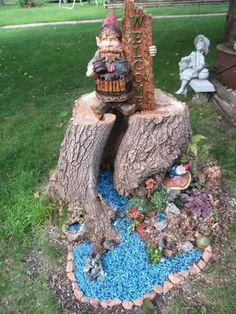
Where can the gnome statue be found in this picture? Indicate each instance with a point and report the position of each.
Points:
(112, 71)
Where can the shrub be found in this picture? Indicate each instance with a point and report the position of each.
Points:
(158, 201)
(198, 201)
(30, 3)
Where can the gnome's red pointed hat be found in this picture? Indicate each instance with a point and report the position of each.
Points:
(110, 26)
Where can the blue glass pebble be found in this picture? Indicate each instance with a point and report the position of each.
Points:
(74, 227)
(128, 273)
(161, 216)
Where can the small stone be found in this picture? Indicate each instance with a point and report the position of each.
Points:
(187, 246)
(104, 304)
(208, 249)
(172, 195)
(167, 286)
(127, 305)
(69, 267)
(69, 247)
(168, 253)
(71, 276)
(194, 270)
(74, 285)
(207, 256)
(201, 264)
(94, 302)
(150, 295)
(160, 225)
(78, 294)
(114, 302)
(184, 273)
(175, 279)
(158, 289)
(85, 300)
(138, 302)
(70, 256)
(173, 209)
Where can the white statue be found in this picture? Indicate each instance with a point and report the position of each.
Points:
(193, 66)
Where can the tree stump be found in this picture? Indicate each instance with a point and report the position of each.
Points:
(153, 141)
(74, 181)
(146, 147)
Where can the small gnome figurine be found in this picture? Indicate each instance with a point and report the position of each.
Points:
(112, 71)
(178, 177)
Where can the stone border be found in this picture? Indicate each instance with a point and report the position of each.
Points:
(173, 280)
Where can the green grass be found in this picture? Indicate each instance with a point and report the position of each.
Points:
(12, 14)
(42, 72)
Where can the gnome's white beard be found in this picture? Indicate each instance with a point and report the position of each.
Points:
(110, 53)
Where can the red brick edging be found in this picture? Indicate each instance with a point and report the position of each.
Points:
(174, 280)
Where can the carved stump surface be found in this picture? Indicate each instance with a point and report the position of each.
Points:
(153, 141)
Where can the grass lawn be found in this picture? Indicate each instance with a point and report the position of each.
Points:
(42, 71)
(12, 14)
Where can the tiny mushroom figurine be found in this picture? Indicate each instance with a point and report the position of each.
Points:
(150, 184)
(112, 71)
(193, 66)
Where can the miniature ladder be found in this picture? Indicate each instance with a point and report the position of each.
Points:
(73, 4)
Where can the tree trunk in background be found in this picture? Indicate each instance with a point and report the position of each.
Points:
(230, 25)
(145, 146)
(1, 2)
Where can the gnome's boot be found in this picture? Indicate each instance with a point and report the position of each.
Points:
(126, 108)
(101, 109)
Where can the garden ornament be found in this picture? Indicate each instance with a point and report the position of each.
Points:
(193, 66)
(179, 169)
(178, 177)
(112, 71)
(93, 267)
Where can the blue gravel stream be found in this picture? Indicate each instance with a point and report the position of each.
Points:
(128, 273)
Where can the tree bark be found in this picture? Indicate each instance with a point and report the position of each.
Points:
(145, 146)
(153, 141)
(75, 179)
(227, 109)
(230, 25)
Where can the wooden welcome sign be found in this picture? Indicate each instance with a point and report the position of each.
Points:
(136, 40)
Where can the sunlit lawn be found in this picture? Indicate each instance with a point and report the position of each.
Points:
(12, 14)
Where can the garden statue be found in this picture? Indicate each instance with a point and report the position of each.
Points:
(193, 66)
(112, 71)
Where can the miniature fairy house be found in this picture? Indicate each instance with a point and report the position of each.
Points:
(141, 147)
